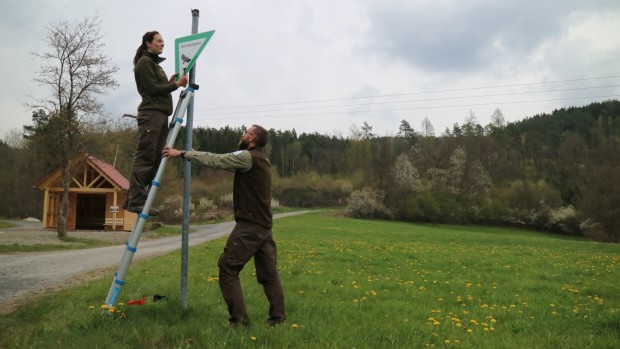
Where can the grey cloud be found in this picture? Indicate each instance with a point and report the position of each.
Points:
(458, 37)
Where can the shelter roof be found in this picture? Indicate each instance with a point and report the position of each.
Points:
(106, 170)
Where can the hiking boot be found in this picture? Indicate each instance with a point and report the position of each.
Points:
(274, 321)
(153, 212)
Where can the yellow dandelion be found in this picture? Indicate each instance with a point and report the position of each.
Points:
(253, 338)
(295, 326)
(104, 306)
(436, 323)
(469, 330)
(91, 307)
(121, 304)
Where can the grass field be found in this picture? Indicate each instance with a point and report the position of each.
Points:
(357, 284)
(4, 224)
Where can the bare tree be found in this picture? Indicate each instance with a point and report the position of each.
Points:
(354, 132)
(76, 71)
(497, 119)
(427, 128)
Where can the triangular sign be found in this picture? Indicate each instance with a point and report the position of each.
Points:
(187, 50)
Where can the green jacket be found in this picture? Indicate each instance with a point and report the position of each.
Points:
(153, 84)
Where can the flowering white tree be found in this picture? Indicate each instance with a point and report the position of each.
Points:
(367, 203)
(461, 179)
(406, 174)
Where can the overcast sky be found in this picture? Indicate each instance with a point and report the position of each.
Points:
(324, 65)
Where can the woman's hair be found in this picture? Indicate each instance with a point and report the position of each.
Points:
(262, 136)
(148, 37)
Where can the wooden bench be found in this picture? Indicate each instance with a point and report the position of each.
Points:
(110, 222)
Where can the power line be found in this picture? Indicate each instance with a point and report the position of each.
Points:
(411, 108)
(407, 101)
(416, 93)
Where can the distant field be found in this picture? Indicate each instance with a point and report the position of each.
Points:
(357, 284)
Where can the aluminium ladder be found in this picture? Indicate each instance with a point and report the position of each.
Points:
(132, 243)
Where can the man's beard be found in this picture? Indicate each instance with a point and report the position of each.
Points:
(243, 145)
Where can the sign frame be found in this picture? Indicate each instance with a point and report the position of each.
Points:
(187, 49)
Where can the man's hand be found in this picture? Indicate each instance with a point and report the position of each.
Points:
(170, 152)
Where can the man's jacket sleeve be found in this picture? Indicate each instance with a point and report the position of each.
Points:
(238, 160)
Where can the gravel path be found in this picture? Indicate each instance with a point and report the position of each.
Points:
(23, 275)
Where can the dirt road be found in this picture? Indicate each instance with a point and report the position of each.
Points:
(26, 274)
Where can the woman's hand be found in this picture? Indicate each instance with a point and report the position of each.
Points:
(182, 81)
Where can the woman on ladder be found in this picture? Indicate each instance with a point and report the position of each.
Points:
(156, 91)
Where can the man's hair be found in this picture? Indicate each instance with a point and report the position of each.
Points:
(262, 136)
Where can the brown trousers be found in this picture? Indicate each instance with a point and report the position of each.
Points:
(153, 132)
(249, 240)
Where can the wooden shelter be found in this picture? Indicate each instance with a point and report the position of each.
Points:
(96, 194)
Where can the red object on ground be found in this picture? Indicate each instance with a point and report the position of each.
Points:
(141, 301)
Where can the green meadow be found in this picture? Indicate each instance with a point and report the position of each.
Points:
(355, 284)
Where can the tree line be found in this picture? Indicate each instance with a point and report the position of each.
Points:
(554, 172)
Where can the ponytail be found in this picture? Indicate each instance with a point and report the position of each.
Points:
(148, 37)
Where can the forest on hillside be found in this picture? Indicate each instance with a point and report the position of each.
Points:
(554, 172)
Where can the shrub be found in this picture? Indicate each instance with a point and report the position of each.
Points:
(226, 201)
(171, 210)
(564, 220)
(367, 203)
(311, 190)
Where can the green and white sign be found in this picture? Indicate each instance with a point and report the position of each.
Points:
(187, 50)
